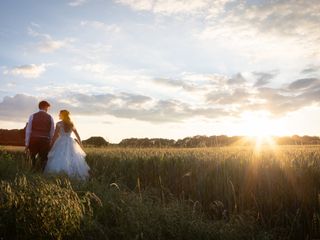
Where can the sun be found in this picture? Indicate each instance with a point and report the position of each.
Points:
(259, 128)
(258, 125)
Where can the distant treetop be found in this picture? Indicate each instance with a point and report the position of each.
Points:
(95, 142)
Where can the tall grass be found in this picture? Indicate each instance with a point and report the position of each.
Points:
(40, 209)
(280, 186)
(210, 193)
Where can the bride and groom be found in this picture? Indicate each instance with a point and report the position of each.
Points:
(56, 149)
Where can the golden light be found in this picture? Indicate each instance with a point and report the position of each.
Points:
(259, 128)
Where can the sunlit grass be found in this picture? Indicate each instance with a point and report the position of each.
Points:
(261, 142)
(227, 191)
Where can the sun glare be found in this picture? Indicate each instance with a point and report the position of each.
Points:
(259, 129)
(260, 142)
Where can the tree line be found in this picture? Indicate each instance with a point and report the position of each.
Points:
(215, 141)
(15, 137)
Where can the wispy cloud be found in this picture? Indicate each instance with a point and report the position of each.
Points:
(310, 70)
(47, 44)
(91, 52)
(220, 102)
(138, 4)
(77, 3)
(98, 68)
(238, 96)
(268, 29)
(27, 71)
(192, 82)
(36, 25)
(237, 79)
(188, 7)
(263, 78)
(101, 26)
(176, 83)
(240, 40)
(122, 105)
(304, 83)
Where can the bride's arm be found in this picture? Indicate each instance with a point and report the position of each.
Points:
(55, 135)
(77, 136)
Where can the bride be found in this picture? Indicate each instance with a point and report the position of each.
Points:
(66, 154)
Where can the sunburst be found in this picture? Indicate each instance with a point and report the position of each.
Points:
(259, 129)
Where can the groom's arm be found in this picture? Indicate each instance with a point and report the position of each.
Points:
(28, 131)
(55, 135)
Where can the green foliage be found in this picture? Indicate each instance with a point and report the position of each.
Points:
(95, 142)
(35, 208)
(212, 141)
(8, 165)
(208, 193)
(128, 215)
(279, 185)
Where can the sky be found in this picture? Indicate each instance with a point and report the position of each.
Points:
(163, 68)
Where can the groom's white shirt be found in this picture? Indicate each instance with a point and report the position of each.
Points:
(29, 128)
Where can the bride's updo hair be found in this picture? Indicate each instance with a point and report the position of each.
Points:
(68, 125)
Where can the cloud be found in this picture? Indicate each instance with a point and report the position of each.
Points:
(295, 96)
(50, 45)
(243, 92)
(27, 71)
(122, 105)
(214, 98)
(238, 96)
(192, 82)
(287, 18)
(268, 30)
(263, 78)
(170, 111)
(275, 101)
(278, 101)
(310, 70)
(77, 3)
(36, 25)
(92, 52)
(139, 5)
(304, 83)
(237, 79)
(177, 84)
(17, 108)
(98, 68)
(189, 7)
(248, 92)
(134, 99)
(101, 26)
(47, 44)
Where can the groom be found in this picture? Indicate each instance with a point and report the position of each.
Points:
(39, 132)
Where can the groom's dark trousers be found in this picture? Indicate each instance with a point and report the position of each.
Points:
(40, 146)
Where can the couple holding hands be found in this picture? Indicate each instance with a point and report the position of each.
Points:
(57, 151)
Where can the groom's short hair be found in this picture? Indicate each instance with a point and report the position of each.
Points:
(43, 104)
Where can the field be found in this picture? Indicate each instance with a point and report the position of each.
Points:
(200, 193)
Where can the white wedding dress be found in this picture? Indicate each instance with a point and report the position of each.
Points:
(67, 156)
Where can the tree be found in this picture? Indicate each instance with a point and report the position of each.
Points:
(96, 142)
